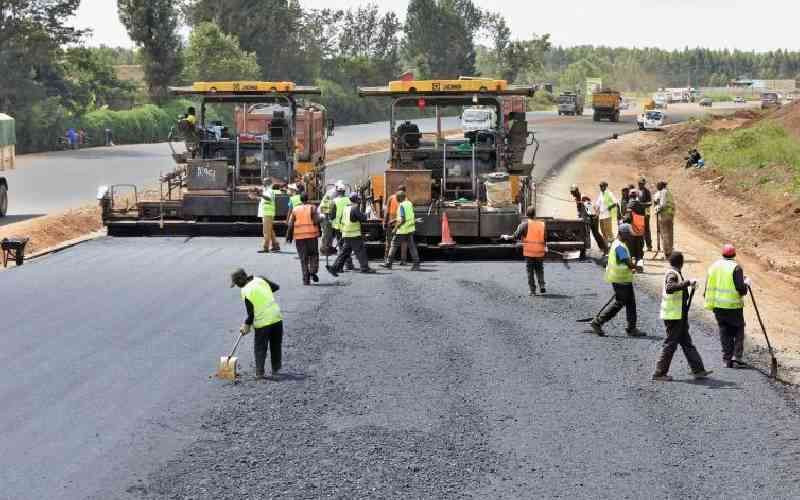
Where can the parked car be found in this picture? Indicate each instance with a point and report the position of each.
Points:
(739, 100)
(706, 101)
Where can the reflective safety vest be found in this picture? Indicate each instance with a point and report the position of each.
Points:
(721, 291)
(406, 209)
(295, 200)
(668, 209)
(350, 228)
(265, 309)
(304, 227)
(533, 244)
(618, 272)
(391, 207)
(325, 204)
(608, 201)
(671, 303)
(637, 224)
(340, 203)
(266, 208)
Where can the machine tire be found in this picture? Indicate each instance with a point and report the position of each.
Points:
(3, 201)
(596, 117)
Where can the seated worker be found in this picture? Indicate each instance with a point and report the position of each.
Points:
(216, 129)
(695, 159)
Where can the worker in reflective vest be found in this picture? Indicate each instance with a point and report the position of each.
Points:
(389, 221)
(726, 286)
(304, 230)
(294, 196)
(665, 217)
(263, 314)
(534, 247)
(675, 314)
(607, 211)
(635, 216)
(405, 226)
(266, 210)
(326, 224)
(619, 272)
(340, 201)
(351, 220)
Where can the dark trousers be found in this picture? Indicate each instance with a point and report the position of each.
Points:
(731, 333)
(348, 262)
(594, 226)
(308, 252)
(637, 248)
(535, 268)
(678, 335)
(397, 241)
(349, 247)
(648, 236)
(624, 296)
(268, 338)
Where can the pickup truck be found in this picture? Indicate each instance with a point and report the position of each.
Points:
(651, 120)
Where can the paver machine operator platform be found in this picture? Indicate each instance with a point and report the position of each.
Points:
(244, 132)
(480, 180)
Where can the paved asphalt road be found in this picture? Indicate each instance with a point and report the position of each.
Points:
(449, 383)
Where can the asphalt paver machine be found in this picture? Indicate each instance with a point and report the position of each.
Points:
(244, 132)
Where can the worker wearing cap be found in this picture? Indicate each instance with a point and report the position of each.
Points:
(665, 215)
(351, 220)
(390, 219)
(266, 210)
(340, 201)
(726, 286)
(326, 211)
(406, 226)
(646, 199)
(607, 211)
(304, 230)
(532, 233)
(263, 314)
(294, 196)
(619, 272)
(675, 314)
(588, 214)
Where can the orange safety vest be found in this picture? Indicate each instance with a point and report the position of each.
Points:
(304, 227)
(533, 244)
(637, 224)
(392, 207)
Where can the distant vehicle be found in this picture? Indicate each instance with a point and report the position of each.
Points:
(770, 100)
(625, 104)
(678, 94)
(651, 120)
(475, 119)
(661, 100)
(789, 97)
(739, 100)
(606, 104)
(707, 102)
(570, 103)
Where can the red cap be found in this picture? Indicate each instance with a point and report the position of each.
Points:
(728, 250)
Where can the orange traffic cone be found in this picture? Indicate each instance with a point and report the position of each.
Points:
(447, 240)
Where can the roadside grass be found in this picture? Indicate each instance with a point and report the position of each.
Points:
(765, 155)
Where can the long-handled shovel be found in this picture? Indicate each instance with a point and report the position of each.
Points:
(228, 364)
(589, 320)
(773, 366)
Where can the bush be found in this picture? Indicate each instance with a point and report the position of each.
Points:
(148, 123)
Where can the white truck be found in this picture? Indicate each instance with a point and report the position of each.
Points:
(661, 100)
(651, 120)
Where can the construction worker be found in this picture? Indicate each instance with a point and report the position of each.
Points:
(635, 216)
(588, 214)
(340, 201)
(404, 232)
(646, 199)
(665, 217)
(607, 211)
(263, 314)
(624, 199)
(390, 219)
(326, 210)
(675, 314)
(304, 230)
(266, 210)
(619, 272)
(534, 247)
(351, 220)
(294, 196)
(725, 287)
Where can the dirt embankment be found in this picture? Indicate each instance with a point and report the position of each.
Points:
(710, 211)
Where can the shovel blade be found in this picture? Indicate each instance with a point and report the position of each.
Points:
(227, 368)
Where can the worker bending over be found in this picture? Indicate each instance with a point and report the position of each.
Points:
(619, 272)
(588, 214)
(351, 220)
(534, 247)
(263, 314)
(675, 314)
(725, 287)
(404, 232)
(304, 229)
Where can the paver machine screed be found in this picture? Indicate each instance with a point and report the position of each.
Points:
(244, 132)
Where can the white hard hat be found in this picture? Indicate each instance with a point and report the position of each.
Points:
(340, 185)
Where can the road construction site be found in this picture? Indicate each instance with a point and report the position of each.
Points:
(466, 387)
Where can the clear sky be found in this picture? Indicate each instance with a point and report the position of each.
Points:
(668, 24)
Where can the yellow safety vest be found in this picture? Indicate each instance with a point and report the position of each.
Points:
(350, 228)
(326, 204)
(721, 291)
(608, 202)
(340, 202)
(618, 272)
(295, 200)
(668, 209)
(265, 309)
(267, 208)
(407, 210)
(671, 303)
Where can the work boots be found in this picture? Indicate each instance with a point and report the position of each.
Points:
(597, 328)
(635, 332)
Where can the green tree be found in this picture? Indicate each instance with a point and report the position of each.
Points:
(214, 55)
(153, 25)
(92, 82)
